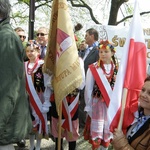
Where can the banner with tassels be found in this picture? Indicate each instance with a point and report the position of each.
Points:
(62, 56)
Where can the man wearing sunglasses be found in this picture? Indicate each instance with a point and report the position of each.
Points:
(21, 33)
(42, 39)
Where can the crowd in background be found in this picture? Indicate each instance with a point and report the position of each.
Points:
(27, 100)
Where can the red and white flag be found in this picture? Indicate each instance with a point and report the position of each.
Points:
(131, 75)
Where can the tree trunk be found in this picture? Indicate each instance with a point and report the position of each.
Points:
(115, 5)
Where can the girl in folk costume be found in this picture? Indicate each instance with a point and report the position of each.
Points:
(38, 101)
(100, 80)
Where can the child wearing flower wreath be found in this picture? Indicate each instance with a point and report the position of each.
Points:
(39, 100)
(100, 81)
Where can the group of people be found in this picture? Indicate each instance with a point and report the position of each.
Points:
(28, 100)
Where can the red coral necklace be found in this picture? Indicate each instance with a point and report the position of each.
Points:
(30, 70)
(110, 74)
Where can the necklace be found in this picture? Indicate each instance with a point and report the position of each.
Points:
(30, 70)
(111, 77)
(110, 74)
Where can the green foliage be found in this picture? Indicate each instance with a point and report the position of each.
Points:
(24, 1)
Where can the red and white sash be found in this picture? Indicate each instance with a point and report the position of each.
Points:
(36, 103)
(68, 112)
(102, 83)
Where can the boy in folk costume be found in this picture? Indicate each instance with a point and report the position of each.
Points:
(100, 81)
(70, 122)
(38, 101)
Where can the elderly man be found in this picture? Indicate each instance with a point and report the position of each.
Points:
(15, 121)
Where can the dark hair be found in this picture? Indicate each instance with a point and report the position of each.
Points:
(5, 9)
(147, 79)
(141, 109)
(78, 27)
(94, 32)
(33, 43)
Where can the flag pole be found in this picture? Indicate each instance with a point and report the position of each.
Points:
(59, 126)
(123, 104)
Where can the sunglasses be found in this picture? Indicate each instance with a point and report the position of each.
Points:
(22, 36)
(41, 34)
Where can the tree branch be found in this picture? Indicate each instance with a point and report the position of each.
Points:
(127, 17)
(83, 4)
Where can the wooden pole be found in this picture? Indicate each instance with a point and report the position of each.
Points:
(59, 126)
(123, 104)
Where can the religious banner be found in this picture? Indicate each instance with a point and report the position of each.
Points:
(62, 56)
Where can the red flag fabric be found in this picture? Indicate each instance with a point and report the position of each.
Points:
(131, 75)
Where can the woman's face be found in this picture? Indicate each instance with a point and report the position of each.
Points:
(105, 55)
(144, 97)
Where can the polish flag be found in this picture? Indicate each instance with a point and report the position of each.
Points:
(130, 77)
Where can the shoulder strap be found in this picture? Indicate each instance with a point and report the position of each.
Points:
(104, 88)
(34, 99)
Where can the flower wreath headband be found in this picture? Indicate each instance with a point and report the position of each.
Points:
(33, 44)
(106, 45)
